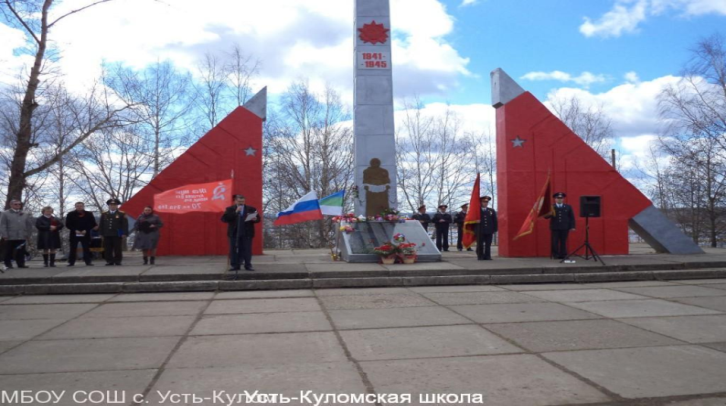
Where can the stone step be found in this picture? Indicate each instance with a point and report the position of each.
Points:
(376, 281)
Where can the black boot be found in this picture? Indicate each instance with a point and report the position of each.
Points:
(52, 260)
(152, 260)
(146, 260)
(45, 260)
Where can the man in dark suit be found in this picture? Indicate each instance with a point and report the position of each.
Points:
(561, 222)
(459, 220)
(441, 221)
(113, 226)
(488, 225)
(422, 217)
(80, 223)
(241, 220)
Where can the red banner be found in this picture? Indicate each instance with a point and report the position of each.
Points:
(201, 197)
(471, 221)
(542, 207)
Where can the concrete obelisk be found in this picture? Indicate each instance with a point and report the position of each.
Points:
(375, 146)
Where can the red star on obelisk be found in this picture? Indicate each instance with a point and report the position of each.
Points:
(373, 33)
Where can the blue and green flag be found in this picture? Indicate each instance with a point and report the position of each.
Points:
(332, 205)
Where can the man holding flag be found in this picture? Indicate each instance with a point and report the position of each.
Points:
(471, 221)
(488, 225)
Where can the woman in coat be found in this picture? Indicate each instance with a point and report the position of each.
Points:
(49, 240)
(147, 234)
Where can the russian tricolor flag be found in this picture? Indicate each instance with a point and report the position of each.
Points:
(305, 209)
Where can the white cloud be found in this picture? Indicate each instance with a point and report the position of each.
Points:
(465, 3)
(633, 107)
(626, 15)
(291, 38)
(631, 77)
(585, 79)
(11, 64)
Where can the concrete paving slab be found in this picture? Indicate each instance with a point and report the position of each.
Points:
(640, 308)
(650, 372)
(162, 297)
(464, 298)
(7, 345)
(45, 299)
(303, 304)
(363, 291)
(257, 349)
(100, 271)
(262, 323)
(667, 292)
(121, 327)
(713, 302)
(345, 267)
(584, 295)
(107, 354)
(146, 309)
(692, 329)
(520, 312)
(49, 311)
(374, 301)
(423, 266)
(395, 317)
(424, 342)
(719, 281)
(699, 402)
(21, 330)
(717, 285)
(265, 294)
(716, 346)
(287, 380)
(176, 273)
(454, 288)
(578, 335)
(504, 380)
(575, 286)
(113, 385)
(5, 299)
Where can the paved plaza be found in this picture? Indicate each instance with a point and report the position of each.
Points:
(621, 343)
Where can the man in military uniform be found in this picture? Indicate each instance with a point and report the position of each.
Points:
(459, 220)
(488, 225)
(113, 227)
(561, 222)
(422, 217)
(441, 221)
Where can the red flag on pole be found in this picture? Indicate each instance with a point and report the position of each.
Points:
(542, 207)
(205, 197)
(471, 221)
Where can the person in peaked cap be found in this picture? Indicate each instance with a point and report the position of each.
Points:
(459, 219)
(113, 226)
(562, 220)
(441, 221)
(422, 217)
(488, 225)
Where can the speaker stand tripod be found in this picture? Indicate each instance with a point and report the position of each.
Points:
(589, 251)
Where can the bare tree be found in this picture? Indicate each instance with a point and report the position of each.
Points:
(589, 122)
(112, 163)
(163, 101)
(309, 149)
(210, 88)
(241, 69)
(33, 17)
(415, 155)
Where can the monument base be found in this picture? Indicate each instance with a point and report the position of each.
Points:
(358, 245)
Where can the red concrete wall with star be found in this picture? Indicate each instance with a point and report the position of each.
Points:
(234, 145)
(532, 141)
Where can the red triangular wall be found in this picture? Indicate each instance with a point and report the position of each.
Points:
(576, 170)
(213, 157)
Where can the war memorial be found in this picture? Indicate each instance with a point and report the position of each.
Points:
(646, 325)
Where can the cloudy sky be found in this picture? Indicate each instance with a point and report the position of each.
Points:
(617, 52)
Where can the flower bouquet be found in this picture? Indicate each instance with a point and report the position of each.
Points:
(387, 252)
(348, 229)
(408, 252)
